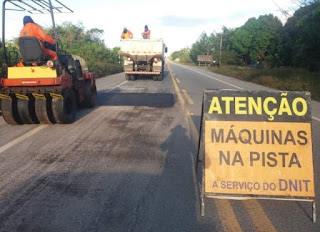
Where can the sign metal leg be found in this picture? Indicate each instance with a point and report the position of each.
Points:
(202, 206)
(314, 213)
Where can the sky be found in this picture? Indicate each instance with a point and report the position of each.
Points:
(179, 23)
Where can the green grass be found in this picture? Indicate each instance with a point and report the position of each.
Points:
(283, 78)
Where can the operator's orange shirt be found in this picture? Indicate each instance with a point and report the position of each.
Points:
(32, 29)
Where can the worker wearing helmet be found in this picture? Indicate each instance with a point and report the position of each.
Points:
(126, 34)
(32, 29)
(146, 33)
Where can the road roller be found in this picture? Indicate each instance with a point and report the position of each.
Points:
(36, 89)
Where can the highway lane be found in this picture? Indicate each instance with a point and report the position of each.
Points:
(262, 215)
(126, 165)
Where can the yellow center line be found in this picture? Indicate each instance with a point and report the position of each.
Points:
(259, 218)
(227, 216)
(225, 211)
(178, 80)
(193, 129)
(186, 112)
(189, 100)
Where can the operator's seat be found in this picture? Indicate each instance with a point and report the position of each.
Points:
(31, 50)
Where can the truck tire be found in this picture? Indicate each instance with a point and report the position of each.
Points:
(44, 110)
(64, 110)
(10, 111)
(127, 77)
(161, 76)
(155, 78)
(90, 100)
(26, 110)
(132, 77)
(162, 72)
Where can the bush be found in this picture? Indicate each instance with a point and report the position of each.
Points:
(102, 69)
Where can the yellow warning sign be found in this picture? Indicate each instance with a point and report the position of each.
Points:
(257, 144)
(259, 158)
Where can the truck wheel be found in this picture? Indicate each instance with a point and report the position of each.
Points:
(155, 78)
(44, 110)
(10, 111)
(133, 77)
(64, 110)
(162, 73)
(26, 110)
(127, 77)
(90, 100)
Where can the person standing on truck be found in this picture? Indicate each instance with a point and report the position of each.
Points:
(32, 29)
(146, 33)
(126, 34)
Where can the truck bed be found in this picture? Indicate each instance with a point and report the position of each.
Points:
(142, 47)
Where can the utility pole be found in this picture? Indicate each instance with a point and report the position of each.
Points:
(220, 49)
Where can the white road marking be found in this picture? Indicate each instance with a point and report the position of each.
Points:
(237, 87)
(315, 118)
(109, 90)
(22, 137)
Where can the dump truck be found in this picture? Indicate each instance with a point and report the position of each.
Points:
(40, 90)
(143, 57)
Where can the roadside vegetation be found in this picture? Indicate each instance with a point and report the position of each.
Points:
(283, 78)
(88, 44)
(263, 51)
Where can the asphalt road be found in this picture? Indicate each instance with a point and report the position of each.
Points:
(246, 215)
(129, 165)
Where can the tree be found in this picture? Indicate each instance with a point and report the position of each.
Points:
(94, 36)
(183, 55)
(229, 57)
(299, 3)
(210, 45)
(204, 46)
(1, 60)
(1, 53)
(89, 45)
(253, 40)
(300, 45)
